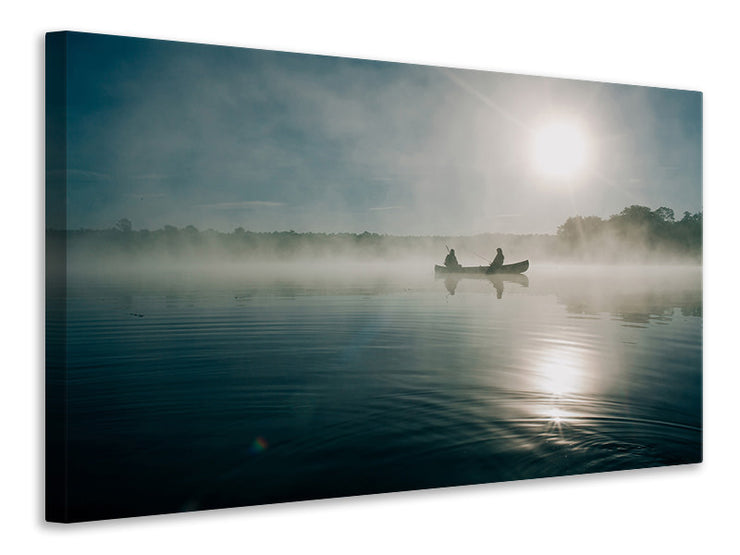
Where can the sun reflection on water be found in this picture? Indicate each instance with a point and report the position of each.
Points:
(560, 371)
(556, 416)
(559, 376)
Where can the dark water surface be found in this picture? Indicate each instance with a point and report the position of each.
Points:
(201, 391)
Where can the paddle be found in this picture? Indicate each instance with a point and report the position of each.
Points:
(483, 257)
(475, 253)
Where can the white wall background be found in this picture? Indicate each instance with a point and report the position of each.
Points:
(663, 43)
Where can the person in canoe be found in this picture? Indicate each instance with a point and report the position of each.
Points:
(497, 262)
(451, 260)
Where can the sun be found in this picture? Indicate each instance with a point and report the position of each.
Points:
(560, 149)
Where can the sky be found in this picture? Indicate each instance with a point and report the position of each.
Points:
(167, 133)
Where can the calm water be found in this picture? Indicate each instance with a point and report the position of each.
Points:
(201, 392)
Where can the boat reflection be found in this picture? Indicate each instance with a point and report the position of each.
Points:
(497, 281)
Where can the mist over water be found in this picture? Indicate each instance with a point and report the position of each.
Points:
(256, 383)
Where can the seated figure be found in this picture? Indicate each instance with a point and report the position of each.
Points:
(451, 260)
(497, 262)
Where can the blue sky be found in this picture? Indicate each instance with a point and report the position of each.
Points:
(175, 133)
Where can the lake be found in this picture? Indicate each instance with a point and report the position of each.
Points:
(191, 390)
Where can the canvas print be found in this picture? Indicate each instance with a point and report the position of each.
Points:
(274, 277)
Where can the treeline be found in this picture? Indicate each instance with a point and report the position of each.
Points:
(88, 245)
(635, 234)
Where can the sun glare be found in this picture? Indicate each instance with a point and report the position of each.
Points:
(560, 149)
(560, 371)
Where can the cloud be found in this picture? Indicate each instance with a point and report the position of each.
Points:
(146, 196)
(242, 205)
(152, 176)
(376, 208)
(79, 175)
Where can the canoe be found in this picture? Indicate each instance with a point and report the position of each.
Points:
(516, 268)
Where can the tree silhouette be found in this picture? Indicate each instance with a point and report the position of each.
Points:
(665, 214)
(635, 234)
(124, 225)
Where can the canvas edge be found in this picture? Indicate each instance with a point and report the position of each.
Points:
(55, 272)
